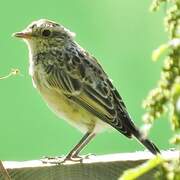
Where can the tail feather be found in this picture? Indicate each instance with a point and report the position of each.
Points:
(149, 145)
(129, 129)
(146, 142)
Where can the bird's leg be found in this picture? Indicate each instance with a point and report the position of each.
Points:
(73, 154)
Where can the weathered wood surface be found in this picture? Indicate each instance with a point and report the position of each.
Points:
(104, 167)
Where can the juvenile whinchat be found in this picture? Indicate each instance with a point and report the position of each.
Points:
(74, 85)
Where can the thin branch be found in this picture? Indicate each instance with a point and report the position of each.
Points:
(12, 73)
(4, 171)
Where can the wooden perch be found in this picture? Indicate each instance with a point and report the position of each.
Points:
(104, 167)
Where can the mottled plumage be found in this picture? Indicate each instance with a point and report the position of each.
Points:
(74, 84)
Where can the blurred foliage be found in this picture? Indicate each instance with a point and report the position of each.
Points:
(166, 96)
(142, 169)
(169, 171)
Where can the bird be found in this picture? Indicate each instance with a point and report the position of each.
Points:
(75, 86)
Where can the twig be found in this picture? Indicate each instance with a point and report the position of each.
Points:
(4, 171)
(12, 73)
(135, 173)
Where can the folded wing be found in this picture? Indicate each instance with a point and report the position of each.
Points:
(84, 82)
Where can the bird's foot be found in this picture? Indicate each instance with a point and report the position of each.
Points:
(73, 159)
(52, 160)
(68, 158)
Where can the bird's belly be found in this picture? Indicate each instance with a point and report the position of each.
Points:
(70, 111)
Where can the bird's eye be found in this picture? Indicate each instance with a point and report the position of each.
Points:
(46, 33)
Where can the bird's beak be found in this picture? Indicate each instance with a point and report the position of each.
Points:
(23, 34)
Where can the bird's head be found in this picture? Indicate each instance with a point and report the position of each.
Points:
(43, 34)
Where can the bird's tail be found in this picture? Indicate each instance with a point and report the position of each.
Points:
(146, 142)
(129, 129)
(149, 145)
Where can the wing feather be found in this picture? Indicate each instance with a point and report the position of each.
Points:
(87, 85)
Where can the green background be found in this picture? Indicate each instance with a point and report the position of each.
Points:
(120, 33)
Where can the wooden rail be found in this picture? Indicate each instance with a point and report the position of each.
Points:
(103, 167)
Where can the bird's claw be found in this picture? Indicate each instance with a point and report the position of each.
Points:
(52, 160)
(63, 160)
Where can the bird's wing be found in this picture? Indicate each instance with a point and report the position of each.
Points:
(84, 82)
